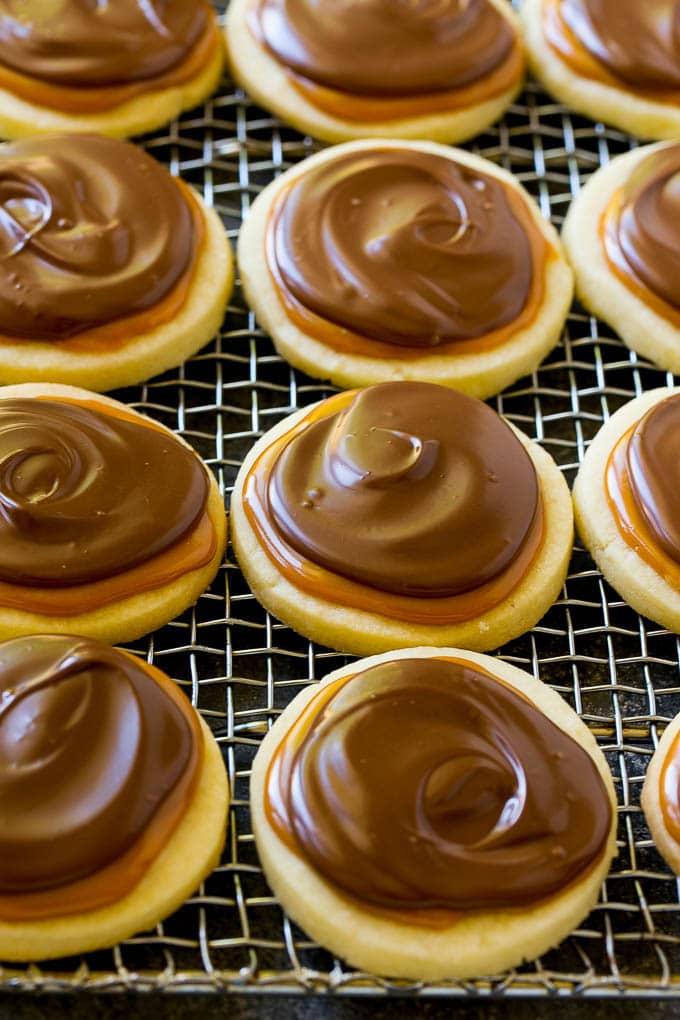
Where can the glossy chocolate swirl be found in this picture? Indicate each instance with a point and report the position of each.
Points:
(88, 43)
(413, 489)
(428, 783)
(386, 47)
(653, 468)
(90, 748)
(646, 228)
(85, 495)
(402, 246)
(91, 230)
(636, 40)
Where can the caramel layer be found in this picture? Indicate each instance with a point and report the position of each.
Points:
(669, 790)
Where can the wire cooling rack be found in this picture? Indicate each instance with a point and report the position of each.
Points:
(241, 667)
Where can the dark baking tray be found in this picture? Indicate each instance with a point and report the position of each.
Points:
(240, 667)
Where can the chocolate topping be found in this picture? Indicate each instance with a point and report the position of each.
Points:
(91, 229)
(85, 495)
(646, 227)
(487, 803)
(383, 47)
(85, 43)
(636, 40)
(653, 467)
(90, 748)
(404, 246)
(436, 493)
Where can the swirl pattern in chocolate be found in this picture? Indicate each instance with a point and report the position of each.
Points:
(412, 489)
(653, 468)
(91, 230)
(645, 230)
(636, 40)
(91, 748)
(403, 246)
(85, 43)
(487, 804)
(386, 48)
(85, 494)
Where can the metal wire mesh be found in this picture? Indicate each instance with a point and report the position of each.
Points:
(241, 667)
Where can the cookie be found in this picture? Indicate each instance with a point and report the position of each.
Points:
(613, 60)
(661, 796)
(621, 240)
(111, 525)
(368, 69)
(402, 514)
(120, 69)
(386, 260)
(627, 508)
(113, 794)
(111, 269)
(481, 843)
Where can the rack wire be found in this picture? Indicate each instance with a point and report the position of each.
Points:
(240, 667)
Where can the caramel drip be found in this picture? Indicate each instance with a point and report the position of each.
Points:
(618, 43)
(669, 790)
(393, 252)
(450, 561)
(65, 93)
(488, 804)
(86, 812)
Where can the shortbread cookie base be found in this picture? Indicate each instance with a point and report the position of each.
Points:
(131, 617)
(634, 579)
(480, 374)
(595, 99)
(191, 853)
(360, 632)
(597, 285)
(261, 75)
(667, 846)
(480, 942)
(144, 355)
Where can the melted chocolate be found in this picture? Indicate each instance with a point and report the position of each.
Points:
(406, 247)
(90, 748)
(383, 47)
(487, 803)
(85, 43)
(653, 467)
(85, 495)
(91, 229)
(636, 40)
(645, 230)
(412, 489)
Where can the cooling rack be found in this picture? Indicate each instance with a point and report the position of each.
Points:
(240, 667)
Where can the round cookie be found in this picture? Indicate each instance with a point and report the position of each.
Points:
(633, 577)
(642, 319)
(479, 941)
(143, 599)
(604, 95)
(487, 355)
(654, 795)
(368, 616)
(445, 117)
(85, 67)
(113, 270)
(153, 872)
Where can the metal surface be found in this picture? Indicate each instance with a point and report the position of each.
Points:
(240, 667)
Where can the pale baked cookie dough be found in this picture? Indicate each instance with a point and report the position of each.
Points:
(191, 853)
(602, 292)
(617, 106)
(138, 614)
(666, 844)
(633, 578)
(256, 70)
(360, 632)
(477, 373)
(480, 942)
